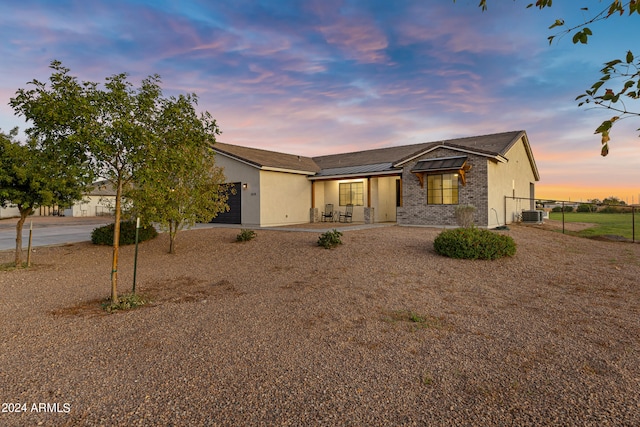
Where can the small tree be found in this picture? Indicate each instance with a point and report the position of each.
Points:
(31, 177)
(106, 129)
(180, 184)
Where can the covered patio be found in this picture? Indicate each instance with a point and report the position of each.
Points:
(374, 194)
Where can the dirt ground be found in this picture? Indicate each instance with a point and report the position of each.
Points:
(278, 331)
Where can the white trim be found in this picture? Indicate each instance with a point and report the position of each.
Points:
(299, 172)
(263, 168)
(448, 147)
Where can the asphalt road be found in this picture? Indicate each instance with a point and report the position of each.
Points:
(52, 231)
(49, 231)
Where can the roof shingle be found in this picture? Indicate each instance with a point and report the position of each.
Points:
(369, 161)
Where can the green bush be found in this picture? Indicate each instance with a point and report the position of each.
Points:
(559, 209)
(474, 243)
(612, 209)
(330, 239)
(104, 235)
(245, 235)
(585, 207)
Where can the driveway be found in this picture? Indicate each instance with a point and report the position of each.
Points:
(49, 230)
(53, 230)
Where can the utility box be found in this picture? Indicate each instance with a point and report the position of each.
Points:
(532, 217)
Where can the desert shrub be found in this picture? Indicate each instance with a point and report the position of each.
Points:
(464, 215)
(474, 243)
(330, 239)
(245, 235)
(104, 235)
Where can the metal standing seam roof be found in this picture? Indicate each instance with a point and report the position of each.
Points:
(358, 170)
(440, 164)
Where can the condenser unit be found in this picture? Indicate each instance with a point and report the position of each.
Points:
(532, 217)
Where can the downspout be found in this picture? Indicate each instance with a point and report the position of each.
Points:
(505, 210)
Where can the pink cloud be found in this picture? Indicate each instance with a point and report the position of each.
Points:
(357, 38)
(355, 33)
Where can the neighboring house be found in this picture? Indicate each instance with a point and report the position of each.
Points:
(418, 184)
(11, 211)
(100, 200)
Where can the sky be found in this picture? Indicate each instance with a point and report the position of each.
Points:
(320, 77)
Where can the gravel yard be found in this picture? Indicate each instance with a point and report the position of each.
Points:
(278, 331)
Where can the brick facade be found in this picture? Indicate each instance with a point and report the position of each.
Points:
(416, 211)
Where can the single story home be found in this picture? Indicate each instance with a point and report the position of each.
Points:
(99, 201)
(9, 211)
(419, 184)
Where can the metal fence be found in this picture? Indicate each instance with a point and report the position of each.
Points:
(525, 204)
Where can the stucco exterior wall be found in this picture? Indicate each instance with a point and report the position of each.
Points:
(285, 198)
(92, 206)
(383, 198)
(329, 191)
(235, 171)
(10, 211)
(515, 177)
(416, 211)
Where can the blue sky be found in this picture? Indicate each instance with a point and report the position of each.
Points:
(329, 76)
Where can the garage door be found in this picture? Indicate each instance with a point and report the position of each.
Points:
(234, 216)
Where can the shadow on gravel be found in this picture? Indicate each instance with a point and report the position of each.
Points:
(177, 291)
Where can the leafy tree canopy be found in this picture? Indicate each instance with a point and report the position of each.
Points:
(32, 176)
(180, 184)
(115, 131)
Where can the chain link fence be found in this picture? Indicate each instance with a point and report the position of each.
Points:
(521, 209)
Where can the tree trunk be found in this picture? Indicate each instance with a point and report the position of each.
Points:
(116, 244)
(24, 213)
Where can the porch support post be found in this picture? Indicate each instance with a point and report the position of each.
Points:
(313, 212)
(369, 192)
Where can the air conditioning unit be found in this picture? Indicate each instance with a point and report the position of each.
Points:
(532, 217)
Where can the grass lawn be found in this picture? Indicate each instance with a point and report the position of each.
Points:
(619, 224)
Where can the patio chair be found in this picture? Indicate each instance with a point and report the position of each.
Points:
(347, 216)
(327, 215)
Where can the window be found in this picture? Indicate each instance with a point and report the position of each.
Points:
(442, 189)
(351, 193)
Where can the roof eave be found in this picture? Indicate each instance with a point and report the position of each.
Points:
(355, 175)
(495, 156)
(532, 161)
(299, 172)
(237, 158)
